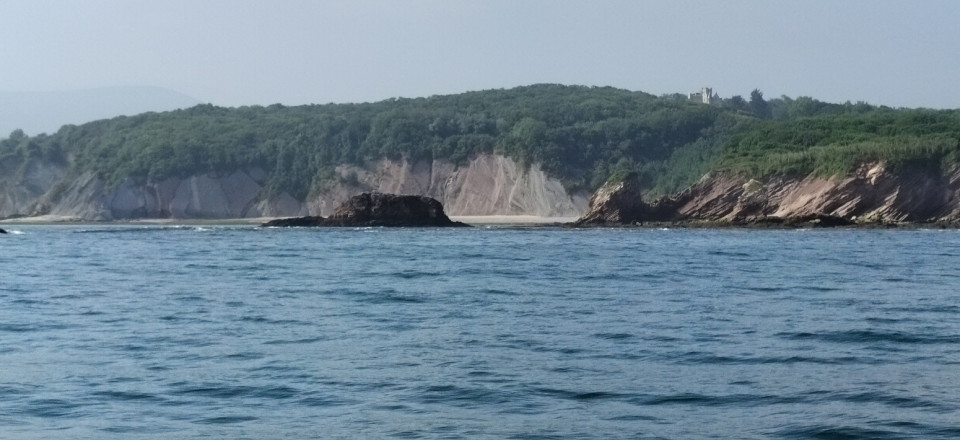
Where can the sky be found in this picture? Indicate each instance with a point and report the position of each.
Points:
(242, 52)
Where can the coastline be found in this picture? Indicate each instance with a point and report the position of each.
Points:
(66, 220)
(503, 220)
(481, 220)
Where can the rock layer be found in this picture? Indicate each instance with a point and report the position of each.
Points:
(487, 185)
(869, 195)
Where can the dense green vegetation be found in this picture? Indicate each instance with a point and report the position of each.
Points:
(581, 135)
(835, 143)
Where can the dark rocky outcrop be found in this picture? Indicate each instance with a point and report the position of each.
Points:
(2, 231)
(619, 202)
(295, 222)
(377, 209)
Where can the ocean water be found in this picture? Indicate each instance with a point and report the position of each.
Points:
(120, 331)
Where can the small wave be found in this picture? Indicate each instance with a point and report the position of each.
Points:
(821, 288)
(317, 401)
(265, 320)
(582, 395)
(26, 328)
(126, 396)
(878, 397)
(415, 274)
(226, 420)
(492, 291)
(459, 396)
(389, 297)
(633, 418)
(697, 399)
(763, 289)
(244, 356)
(826, 432)
(294, 341)
(868, 336)
(613, 336)
(115, 230)
(52, 408)
(710, 359)
(729, 254)
(144, 229)
(232, 392)
(940, 309)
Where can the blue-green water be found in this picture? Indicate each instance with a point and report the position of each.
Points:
(240, 332)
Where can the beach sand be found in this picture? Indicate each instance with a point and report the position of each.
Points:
(510, 219)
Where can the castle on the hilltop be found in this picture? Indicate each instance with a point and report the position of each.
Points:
(705, 96)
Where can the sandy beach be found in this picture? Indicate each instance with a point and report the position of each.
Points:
(510, 219)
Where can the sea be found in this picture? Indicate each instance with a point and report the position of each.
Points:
(127, 331)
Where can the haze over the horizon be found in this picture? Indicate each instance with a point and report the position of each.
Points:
(244, 52)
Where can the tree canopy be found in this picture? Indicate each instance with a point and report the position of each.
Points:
(580, 135)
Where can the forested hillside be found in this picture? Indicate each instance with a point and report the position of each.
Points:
(580, 135)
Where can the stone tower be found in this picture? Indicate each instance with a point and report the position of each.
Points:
(706, 95)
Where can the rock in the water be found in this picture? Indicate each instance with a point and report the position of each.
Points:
(377, 209)
(2, 231)
(295, 221)
(617, 202)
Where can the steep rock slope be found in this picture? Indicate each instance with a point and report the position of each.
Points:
(872, 193)
(617, 202)
(487, 185)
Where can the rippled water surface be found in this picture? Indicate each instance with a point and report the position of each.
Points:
(240, 332)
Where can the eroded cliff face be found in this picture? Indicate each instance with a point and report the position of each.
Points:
(870, 194)
(487, 185)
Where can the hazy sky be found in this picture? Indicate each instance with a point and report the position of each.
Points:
(240, 52)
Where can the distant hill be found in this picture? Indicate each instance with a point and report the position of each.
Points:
(578, 135)
(46, 112)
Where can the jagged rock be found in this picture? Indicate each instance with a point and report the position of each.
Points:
(617, 202)
(869, 195)
(377, 209)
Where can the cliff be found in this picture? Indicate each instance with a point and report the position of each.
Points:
(487, 185)
(871, 194)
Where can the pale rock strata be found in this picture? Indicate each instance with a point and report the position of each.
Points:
(487, 185)
(869, 194)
